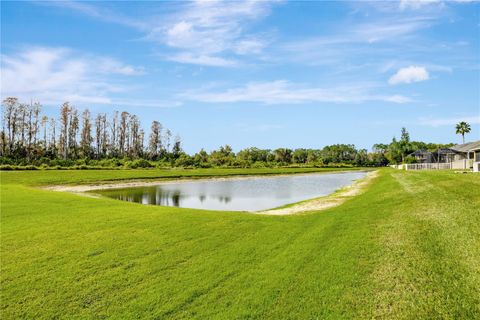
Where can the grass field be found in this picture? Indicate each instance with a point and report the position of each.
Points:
(407, 248)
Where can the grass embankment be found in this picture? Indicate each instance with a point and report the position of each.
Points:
(408, 247)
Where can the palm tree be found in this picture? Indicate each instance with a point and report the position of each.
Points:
(462, 128)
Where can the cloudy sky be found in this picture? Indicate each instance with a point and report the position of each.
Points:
(254, 73)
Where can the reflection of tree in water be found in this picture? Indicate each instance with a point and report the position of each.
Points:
(202, 197)
(176, 198)
(225, 199)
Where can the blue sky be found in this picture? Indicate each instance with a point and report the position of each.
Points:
(254, 73)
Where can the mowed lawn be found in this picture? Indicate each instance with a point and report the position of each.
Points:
(407, 248)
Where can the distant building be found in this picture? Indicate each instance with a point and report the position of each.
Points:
(444, 155)
(467, 151)
(422, 156)
(461, 156)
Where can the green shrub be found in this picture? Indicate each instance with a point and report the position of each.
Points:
(139, 163)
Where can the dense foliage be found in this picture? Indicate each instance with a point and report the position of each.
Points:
(29, 140)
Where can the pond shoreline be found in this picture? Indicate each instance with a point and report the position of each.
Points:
(326, 202)
(132, 184)
(315, 204)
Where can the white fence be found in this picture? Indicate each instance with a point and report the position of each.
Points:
(462, 164)
(428, 166)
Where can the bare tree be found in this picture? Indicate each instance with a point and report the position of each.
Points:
(10, 106)
(168, 137)
(155, 139)
(98, 134)
(123, 138)
(134, 135)
(177, 146)
(113, 133)
(37, 108)
(140, 146)
(73, 132)
(22, 125)
(64, 123)
(53, 134)
(104, 134)
(29, 129)
(86, 134)
(44, 125)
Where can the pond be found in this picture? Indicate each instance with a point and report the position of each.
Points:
(237, 194)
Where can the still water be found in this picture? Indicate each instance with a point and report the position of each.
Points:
(244, 194)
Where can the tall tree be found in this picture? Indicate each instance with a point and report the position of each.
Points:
(10, 107)
(168, 137)
(135, 142)
(64, 123)
(463, 128)
(22, 116)
(86, 135)
(154, 141)
(30, 130)
(37, 108)
(123, 134)
(104, 134)
(177, 146)
(404, 143)
(73, 132)
(113, 133)
(44, 125)
(53, 134)
(98, 135)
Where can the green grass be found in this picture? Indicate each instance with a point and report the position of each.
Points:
(407, 248)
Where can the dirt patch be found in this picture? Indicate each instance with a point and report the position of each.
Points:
(326, 202)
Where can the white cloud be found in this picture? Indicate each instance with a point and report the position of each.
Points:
(418, 4)
(415, 4)
(98, 12)
(438, 122)
(409, 74)
(205, 60)
(212, 33)
(284, 92)
(199, 32)
(113, 66)
(55, 75)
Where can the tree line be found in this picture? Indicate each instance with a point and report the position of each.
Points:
(80, 140)
(28, 137)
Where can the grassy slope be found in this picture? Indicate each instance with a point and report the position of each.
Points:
(407, 248)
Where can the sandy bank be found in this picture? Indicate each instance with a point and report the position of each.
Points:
(142, 183)
(326, 202)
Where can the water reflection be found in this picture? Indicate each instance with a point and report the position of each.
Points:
(250, 194)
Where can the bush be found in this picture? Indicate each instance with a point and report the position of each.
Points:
(184, 161)
(139, 163)
(10, 167)
(6, 161)
(258, 165)
(410, 159)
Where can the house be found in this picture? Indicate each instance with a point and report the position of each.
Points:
(446, 155)
(461, 156)
(467, 151)
(422, 156)
(467, 155)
